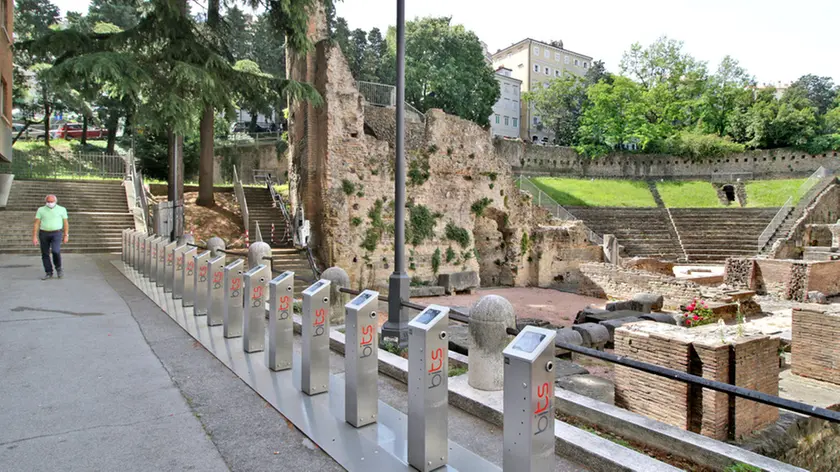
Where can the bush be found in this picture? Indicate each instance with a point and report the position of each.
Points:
(418, 170)
(450, 254)
(436, 261)
(356, 221)
(696, 145)
(525, 243)
(479, 205)
(421, 224)
(457, 234)
(348, 187)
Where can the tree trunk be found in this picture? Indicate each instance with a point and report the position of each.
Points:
(175, 182)
(205, 161)
(47, 112)
(83, 140)
(113, 121)
(253, 125)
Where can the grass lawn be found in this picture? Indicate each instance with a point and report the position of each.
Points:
(598, 192)
(62, 145)
(693, 194)
(772, 193)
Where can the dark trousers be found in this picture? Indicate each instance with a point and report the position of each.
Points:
(51, 242)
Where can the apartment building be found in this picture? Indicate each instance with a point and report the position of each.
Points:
(6, 15)
(536, 63)
(506, 112)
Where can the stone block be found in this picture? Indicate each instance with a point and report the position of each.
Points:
(817, 297)
(739, 295)
(612, 315)
(594, 335)
(567, 336)
(659, 318)
(588, 311)
(459, 281)
(490, 318)
(521, 323)
(611, 325)
(648, 302)
(590, 386)
(427, 291)
(338, 279)
(620, 305)
(564, 368)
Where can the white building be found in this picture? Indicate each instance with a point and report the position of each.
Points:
(504, 121)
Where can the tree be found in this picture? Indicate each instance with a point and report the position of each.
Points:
(268, 48)
(819, 90)
(773, 123)
(376, 62)
(725, 90)
(596, 73)
(560, 105)
(123, 14)
(614, 117)
(445, 68)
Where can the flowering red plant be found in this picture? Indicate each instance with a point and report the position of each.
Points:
(698, 313)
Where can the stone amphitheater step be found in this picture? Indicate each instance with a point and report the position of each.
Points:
(643, 232)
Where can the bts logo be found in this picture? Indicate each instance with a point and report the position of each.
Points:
(169, 259)
(366, 345)
(202, 274)
(541, 412)
(154, 252)
(190, 267)
(256, 296)
(180, 263)
(235, 287)
(217, 279)
(320, 319)
(435, 368)
(283, 307)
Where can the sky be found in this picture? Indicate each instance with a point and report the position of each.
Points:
(775, 40)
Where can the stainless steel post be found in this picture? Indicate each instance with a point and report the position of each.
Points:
(216, 291)
(147, 256)
(399, 288)
(529, 401)
(428, 388)
(161, 262)
(280, 329)
(233, 299)
(361, 360)
(200, 293)
(157, 244)
(129, 246)
(124, 236)
(188, 281)
(178, 273)
(256, 291)
(169, 270)
(315, 331)
(134, 249)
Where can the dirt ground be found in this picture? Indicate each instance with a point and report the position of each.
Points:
(555, 307)
(223, 220)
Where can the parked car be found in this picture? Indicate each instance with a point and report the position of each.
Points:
(31, 132)
(245, 127)
(74, 131)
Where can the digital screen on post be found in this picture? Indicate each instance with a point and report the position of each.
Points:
(282, 276)
(427, 316)
(315, 287)
(363, 297)
(529, 341)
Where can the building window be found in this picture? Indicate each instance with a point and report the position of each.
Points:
(577, 62)
(507, 104)
(536, 67)
(557, 73)
(585, 65)
(547, 71)
(515, 122)
(507, 88)
(557, 56)
(547, 54)
(536, 50)
(507, 121)
(497, 119)
(515, 105)
(566, 59)
(515, 89)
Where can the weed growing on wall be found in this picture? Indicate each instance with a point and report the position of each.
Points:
(418, 170)
(356, 221)
(348, 187)
(525, 243)
(450, 254)
(377, 226)
(479, 205)
(459, 235)
(421, 224)
(436, 261)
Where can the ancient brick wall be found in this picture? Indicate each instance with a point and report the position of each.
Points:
(824, 210)
(564, 161)
(784, 278)
(815, 351)
(602, 280)
(824, 276)
(710, 409)
(756, 365)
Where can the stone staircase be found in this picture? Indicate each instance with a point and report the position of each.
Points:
(644, 232)
(284, 255)
(711, 235)
(98, 212)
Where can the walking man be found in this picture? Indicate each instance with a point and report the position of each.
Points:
(51, 229)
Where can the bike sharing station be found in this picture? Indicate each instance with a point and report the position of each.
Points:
(226, 312)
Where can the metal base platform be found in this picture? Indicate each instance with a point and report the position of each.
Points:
(382, 446)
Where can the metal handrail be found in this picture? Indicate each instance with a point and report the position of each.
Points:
(557, 210)
(756, 396)
(311, 258)
(786, 209)
(239, 193)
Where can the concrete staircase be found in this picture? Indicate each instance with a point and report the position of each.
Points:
(644, 232)
(284, 255)
(711, 235)
(98, 212)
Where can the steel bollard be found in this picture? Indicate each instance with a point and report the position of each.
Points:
(178, 272)
(169, 269)
(216, 291)
(136, 263)
(200, 293)
(188, 280)
(428, 387)
(361, 360)
(233, 299)
(315, 331)
(529, 401)
(132, 253)
(123, 253)
(147, 255)
(155, 256)
(161, 262)
(280, 329)
(256, 290)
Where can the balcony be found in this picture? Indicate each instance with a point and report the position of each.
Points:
(5, 141)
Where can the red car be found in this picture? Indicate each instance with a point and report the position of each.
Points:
(74, 131)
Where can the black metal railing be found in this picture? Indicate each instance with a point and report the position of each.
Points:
(756, 396)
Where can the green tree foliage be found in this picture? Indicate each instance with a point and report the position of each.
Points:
(560, 105)
(725, 90)
(615, 117)
(820, 91)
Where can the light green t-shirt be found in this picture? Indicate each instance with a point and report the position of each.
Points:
(52, 219)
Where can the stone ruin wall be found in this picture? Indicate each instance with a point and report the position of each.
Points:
(788, 279)
(341, 173)
(824, 210)
(565, 161)
(606, 280)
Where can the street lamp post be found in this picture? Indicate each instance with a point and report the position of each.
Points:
(399, 289)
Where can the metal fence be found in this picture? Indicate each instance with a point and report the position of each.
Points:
(542, 199)
(250, 139)
(49, 164)
(380, 95)
(786, 209)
